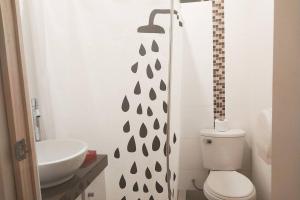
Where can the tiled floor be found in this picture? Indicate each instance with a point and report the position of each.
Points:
(195, 195)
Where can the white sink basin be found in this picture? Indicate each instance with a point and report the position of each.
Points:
(58, 160)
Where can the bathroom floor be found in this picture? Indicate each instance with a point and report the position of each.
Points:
(195, 195)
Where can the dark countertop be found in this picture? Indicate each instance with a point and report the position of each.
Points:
(83, 177)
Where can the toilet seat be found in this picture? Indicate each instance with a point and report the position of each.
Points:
(228, 185)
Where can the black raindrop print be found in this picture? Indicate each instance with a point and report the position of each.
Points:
(133, 169)
(139, 110)
(125, 104)
(117, 153)
(131, 147)
(156, 124)
(158, 187)
(143, 131)
(122, 182)
(126, 127)
(137, 88)
(165, 149)
(155, 143)
(148, 173)
(145, 151)
(151, 198)
(165, 128)
(162, 86)
(174, 176)
(149, 72)
(136, 187)
(142, 50)
(154, 46)
(180, 24)
(134, 67)
(174, 138)
(165, 107)
(149, 112)
(145, 188)
(124, 198)
(157, 65)
(152, 94)
(157, 167)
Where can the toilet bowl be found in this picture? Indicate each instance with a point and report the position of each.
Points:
(222, 154)
(228, 185)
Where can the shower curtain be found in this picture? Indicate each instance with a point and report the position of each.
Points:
(105, 83)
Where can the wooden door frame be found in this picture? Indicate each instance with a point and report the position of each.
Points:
(17, 102)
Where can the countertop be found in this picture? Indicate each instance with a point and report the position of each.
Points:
(83, 177)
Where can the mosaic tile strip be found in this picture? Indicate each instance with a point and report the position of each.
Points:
(219, 58)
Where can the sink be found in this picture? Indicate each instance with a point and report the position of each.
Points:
(58, 160)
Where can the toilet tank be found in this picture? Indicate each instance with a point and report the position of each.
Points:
(222, 150)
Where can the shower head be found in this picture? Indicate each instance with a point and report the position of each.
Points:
(151, 28)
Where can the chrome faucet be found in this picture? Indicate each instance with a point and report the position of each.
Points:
(36, 119)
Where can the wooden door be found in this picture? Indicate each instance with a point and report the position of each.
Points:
(17, 104)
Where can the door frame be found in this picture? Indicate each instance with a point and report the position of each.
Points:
(17, 101)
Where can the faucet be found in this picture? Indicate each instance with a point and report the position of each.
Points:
(36, 119)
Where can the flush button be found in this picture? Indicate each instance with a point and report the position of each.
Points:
(207, 141)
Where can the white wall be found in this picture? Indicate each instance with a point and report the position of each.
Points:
(249, 56)
(197, 90)
(286, 115)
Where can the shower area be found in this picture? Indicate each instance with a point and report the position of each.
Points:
(116, 74)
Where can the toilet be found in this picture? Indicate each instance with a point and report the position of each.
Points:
(222, 154)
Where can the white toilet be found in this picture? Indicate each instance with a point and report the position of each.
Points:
(222, 154)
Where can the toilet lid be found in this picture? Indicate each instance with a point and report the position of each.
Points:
(229, 184)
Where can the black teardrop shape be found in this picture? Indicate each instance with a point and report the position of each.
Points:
(162, 86)
(152, 94)
(137, 88)
(133, 169)
(151, 198)
(158, 187)
(154, 46)
(117, 153)
(142, 50)
(134, 67)
(124, 198)
(157, 65)
(122, 182)
(165, 149)
(136, 187)
(180, 24)
(149, 72)
(139, 110)
(149, 112)
(174, 177)
(156, 124)
(131, 147)
(165, 107)
(126, 127)
(157, 167)
(143, 131)
(166, 177)
(165, 128)
(148, 173)
(145, 151)
(145, 188)
(125, 104)
(174, 138)
(155, 143)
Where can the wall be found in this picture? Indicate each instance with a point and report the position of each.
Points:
(249, 57)
(286, 115)
(197, 90)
